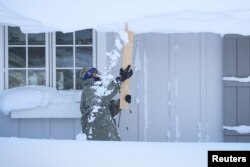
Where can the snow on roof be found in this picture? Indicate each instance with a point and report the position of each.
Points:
(31, 97)
(168, 16)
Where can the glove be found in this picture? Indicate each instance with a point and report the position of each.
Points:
(128, 98)
(125, 74)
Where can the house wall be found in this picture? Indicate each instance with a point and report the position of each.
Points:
(1, 57)
(176, 92)
(236, 94)
(184, 87)
(47, 128)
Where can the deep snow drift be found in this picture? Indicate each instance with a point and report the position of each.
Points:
(16, 152)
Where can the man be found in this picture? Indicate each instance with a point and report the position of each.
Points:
(98, 107)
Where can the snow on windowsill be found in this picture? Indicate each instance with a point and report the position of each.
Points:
(40, 102)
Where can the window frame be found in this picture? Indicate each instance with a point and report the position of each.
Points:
(27, 68)
(50, 57)
(74, 45)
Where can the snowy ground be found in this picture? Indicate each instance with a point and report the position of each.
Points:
(16, 152)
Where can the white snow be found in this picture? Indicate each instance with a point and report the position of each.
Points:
(124, 36)
(145, 70)
(237, 79)
(118, 44)
(81, 137)
(31, 97)
(242, 129)
(168, 16)
(16, 152)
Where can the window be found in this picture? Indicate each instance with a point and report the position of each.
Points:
(51, 59)
(26, 60)
(73, 51)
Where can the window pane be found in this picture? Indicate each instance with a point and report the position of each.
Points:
(36, 39)
(16, 37)
(78, 80)
(84, 57)
(64, 56)
(17, 78)
(36, 77)
(84, 37)
(64, 38)
(64, 79)
(36, 56)
(17, 57)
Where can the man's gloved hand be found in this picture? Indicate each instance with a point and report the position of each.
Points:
(125, 74)
(128, 98)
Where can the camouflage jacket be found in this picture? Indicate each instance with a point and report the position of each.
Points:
(98, 110)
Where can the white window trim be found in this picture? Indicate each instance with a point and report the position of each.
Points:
(94, 48)
(71, 110)
(2, 58)
(26, 48)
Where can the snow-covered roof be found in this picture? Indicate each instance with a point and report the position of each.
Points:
(169, 16)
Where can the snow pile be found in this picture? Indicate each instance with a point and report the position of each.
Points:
(169, 16)
(247, 79)
(11, 18)
(71, 96)
(17, 152)
(31, 97)
(81, 137)
(242, 129)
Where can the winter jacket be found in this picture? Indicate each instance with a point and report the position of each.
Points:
(98, 111)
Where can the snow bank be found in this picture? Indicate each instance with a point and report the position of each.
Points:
(31, 97)
(242, 129)
(16, 152)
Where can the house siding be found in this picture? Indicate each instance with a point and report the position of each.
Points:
(176, 93)
(1, 58)
(236, 95)
(178, 87)
(39, 128)
(191, 66)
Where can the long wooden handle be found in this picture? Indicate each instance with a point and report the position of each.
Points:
(126, 60)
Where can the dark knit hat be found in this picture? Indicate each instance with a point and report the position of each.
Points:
(89, 73)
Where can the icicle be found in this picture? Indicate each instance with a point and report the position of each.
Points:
(199, 135)
(177, 128)
(207, 135)
(145, 96)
